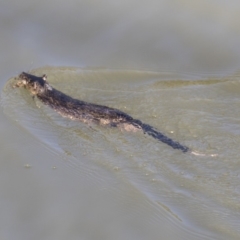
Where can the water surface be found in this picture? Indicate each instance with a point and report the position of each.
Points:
(172, 64)
(197, 192)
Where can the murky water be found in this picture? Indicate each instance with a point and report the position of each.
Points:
(199, 192)
(171, 64)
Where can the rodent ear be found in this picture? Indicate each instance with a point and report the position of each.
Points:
(44, 77)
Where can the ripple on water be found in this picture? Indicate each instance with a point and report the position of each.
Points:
(200, 192)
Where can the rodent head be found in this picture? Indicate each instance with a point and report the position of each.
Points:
(36, 85)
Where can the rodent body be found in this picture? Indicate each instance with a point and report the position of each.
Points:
(88, 112)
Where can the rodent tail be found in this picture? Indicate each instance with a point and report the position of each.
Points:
(159, 136)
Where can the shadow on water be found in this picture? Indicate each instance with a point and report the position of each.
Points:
(201, 113)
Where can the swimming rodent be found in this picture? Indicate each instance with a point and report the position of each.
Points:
(88, 112)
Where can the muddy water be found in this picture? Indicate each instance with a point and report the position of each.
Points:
(65, 180)
(199, 195)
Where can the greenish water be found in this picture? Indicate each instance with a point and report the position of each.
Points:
(172, 64)
(197, 192)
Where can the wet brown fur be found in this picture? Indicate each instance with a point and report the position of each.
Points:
(87, 112)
